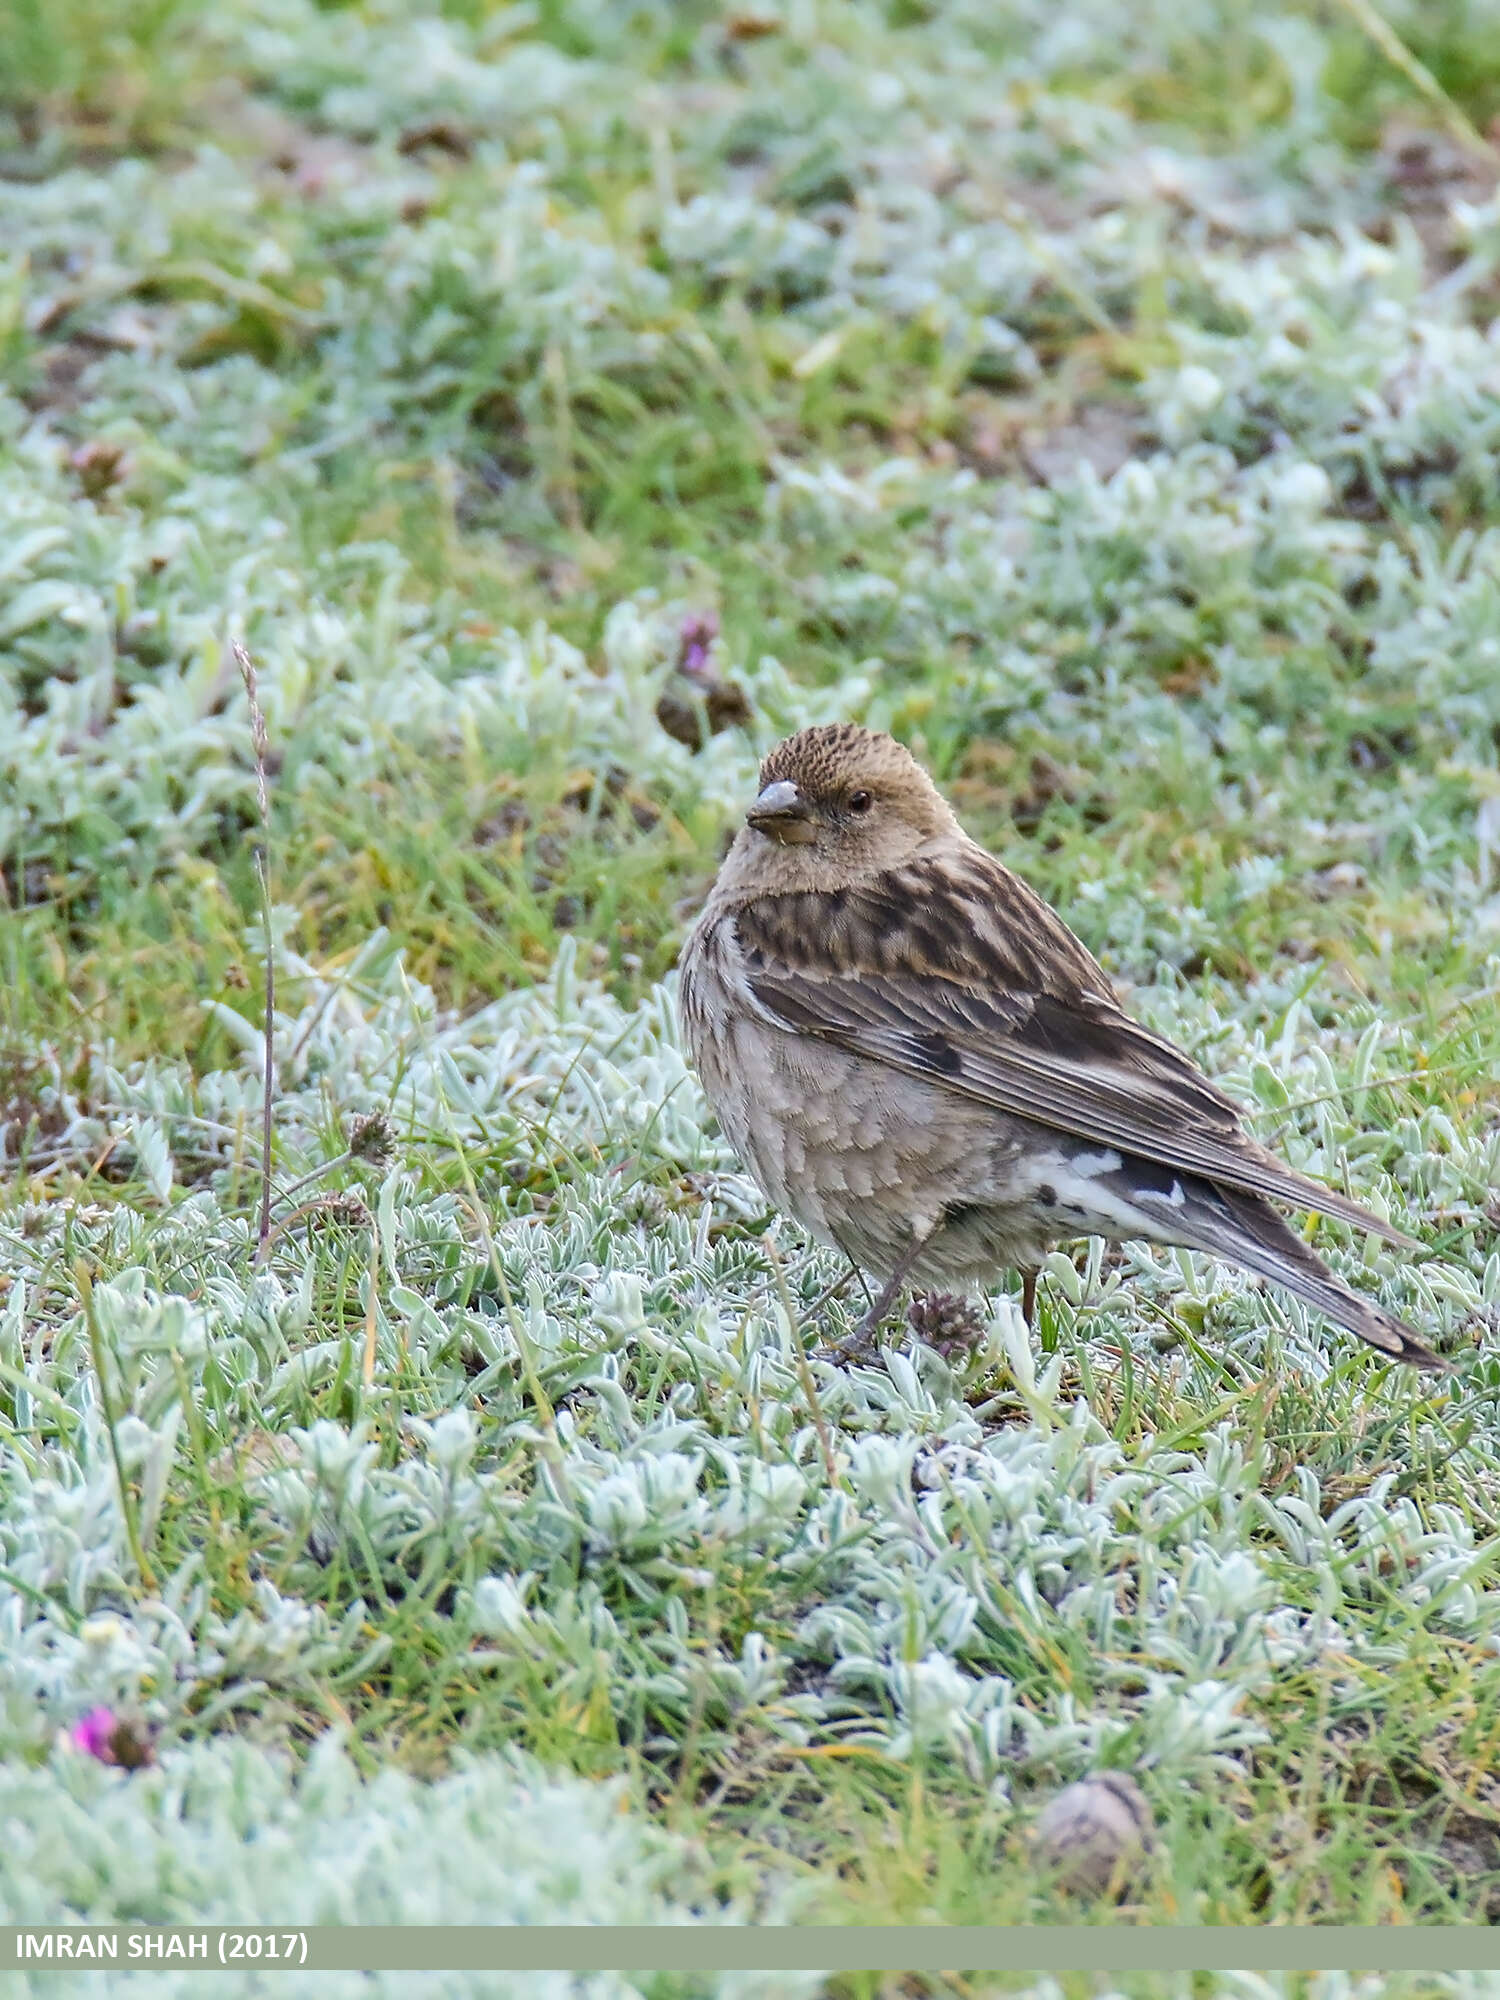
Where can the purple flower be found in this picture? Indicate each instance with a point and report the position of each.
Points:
(699, 630)
(94, 1734)
(111, 1739)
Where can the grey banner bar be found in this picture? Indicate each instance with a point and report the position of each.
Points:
(704, 1948)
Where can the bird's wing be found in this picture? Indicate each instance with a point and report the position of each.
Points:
(949, 968)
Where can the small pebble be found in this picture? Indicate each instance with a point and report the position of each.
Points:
(1095, 1832)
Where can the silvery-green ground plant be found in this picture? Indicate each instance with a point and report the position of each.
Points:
(1110, 406)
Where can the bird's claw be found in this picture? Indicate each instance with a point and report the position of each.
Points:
(857, 1346)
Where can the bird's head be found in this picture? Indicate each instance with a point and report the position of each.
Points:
(836, 802)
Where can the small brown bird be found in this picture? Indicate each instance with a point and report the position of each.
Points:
(920, 1061)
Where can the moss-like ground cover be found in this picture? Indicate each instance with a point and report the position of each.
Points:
(1106, 399)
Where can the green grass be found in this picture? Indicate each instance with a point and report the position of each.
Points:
(452, 360)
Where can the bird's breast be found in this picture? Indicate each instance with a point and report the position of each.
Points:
(858, 1152)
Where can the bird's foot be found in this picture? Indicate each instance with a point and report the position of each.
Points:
(859, 1344)
(855, 1346)
(862, 1340)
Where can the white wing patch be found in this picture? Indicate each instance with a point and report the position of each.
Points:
(1171, 1198)
(1089, 1200)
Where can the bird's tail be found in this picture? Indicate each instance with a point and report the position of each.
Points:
(1243, 1229)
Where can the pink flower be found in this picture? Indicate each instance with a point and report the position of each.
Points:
(111, 1739)
(94, 1735)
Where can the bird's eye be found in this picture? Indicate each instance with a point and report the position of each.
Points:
(860, 802)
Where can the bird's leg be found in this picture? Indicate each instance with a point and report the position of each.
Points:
(832, 1291)
(868, 1326)
(854, 1272)
(1028, 1298)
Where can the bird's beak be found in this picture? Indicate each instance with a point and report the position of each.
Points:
(781, 813)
